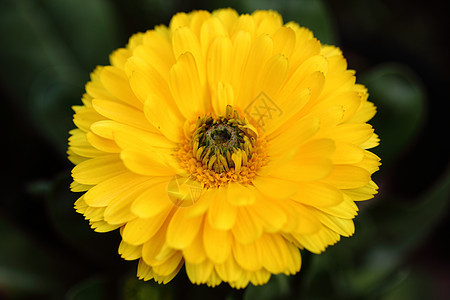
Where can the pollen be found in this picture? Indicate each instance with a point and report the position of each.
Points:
(223, 149)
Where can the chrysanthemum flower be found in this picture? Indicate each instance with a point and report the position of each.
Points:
(225, 143)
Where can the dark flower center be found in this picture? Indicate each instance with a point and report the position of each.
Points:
(224, 142)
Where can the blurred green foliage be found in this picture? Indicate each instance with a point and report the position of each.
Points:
(49, 47)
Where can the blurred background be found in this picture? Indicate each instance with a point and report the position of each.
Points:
(400, 249)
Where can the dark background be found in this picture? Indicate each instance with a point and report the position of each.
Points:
(400, 249)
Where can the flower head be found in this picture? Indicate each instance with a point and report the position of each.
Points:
(225, 143)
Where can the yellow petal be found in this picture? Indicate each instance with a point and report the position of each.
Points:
(227, 16)
(267, 21)
(313, 65)
(129, 252)
(273, 76)
(80, 146)
(218, 61)
(294, 136)
(344, 227)
(316, 148)
(248, 256)
(183, 41)
(152, 164)
(77, 187)
(139, 231)
(289, 108)
(242, 281)
(221, 214)
(95, 88)
(166, 278)
(203, 203)
(102, 226)
(153, 247)
(144, 271)
(274, 187)
(364, 114)
(152, 201)
(260, 277)
(156, 52)
(370, 162)
(94, 214)
(85, 117)
(239, 195)
(260, 52)
(214, 279)
(346, 209)
(180, 19)
(222, 96)
(317, 194)
(284, 41)
(350, 102)
(363, 193)
(118, 210)
(317, 242)
(182, 230)
(350, 133)
(217, 243)
(246, 229)
(268, 213)
(169, 266)
(372, 142)
(122, 113)
(80, 205)
(163, 118)
(304, 170)
(199, 273)
(98, 169)
(241, 47)
(187, 90)
(294, 260)
(211, 30)
(116, 82)
(145, 80)
(119, 57)
(245, 23)
(198, 20)
(346, 153)
(195, 252)
(127, 138)
(347, 177)
(274, 252)
(102, 144)
(306, 223)
(229, 270)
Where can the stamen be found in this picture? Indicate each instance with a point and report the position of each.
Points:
(223, 149)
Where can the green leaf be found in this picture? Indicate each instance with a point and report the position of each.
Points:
(95, 288)
(134, 289)
(278, 287)
(400, 99)
(415, 285)
(48, 49)
(73, 228)
(88, 27)
(27, 267)
(367, 264)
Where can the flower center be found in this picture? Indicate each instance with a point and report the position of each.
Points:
(225, 142)
(223, 149)
(221, 135)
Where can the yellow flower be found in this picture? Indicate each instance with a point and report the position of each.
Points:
(224, 143)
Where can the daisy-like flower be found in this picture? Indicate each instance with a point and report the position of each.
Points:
(225, 143)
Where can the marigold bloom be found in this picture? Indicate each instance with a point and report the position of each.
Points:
(224, 143)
